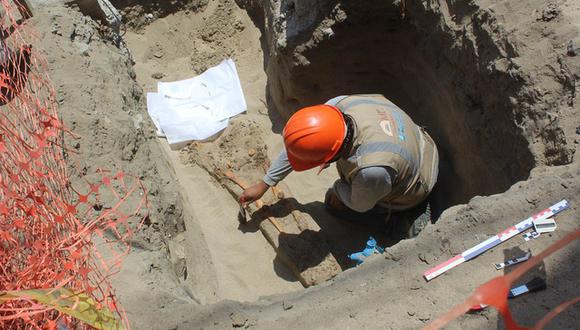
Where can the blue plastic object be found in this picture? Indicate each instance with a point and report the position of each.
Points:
(371, 248)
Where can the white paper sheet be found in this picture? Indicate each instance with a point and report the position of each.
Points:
(218, 88)
(197, 108)
(182, 121)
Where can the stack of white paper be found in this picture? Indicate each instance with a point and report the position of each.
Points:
(197, 108)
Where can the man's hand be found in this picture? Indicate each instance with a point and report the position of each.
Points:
(254, 192)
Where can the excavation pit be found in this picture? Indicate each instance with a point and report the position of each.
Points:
(456, 92)
(462, 94)
(489, 79)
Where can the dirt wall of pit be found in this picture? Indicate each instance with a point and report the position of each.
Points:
(138, 13)
(477, 84)
(102, 104)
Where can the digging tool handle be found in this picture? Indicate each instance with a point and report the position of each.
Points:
(242, 217)
(536, 284)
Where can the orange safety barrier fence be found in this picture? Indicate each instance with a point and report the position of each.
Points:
(495, 293)
(62, 233)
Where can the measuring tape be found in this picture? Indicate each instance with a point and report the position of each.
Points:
(495, 240)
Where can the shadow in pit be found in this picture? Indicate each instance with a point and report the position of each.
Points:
(341, 237)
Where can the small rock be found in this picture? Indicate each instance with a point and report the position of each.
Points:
(410, 313)
(83, 49)
(416, 285)
(390, 255)
(158, 54)
(423, 258)
(281, 43)
(287, 305)
(157, 75)
(239, 26)
(238, 320)
(502, 65)
(251, 322)
(423, 316)
(55, 29)
(531, 201)
(328, 32)
(550, 12)
(251, 152)
(573, 49)
(149, 16)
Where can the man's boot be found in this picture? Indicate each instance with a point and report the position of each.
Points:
(409, 223)
(422, 219)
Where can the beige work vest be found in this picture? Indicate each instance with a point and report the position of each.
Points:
(386, 136)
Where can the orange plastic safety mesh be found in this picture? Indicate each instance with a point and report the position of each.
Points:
(56, 229)
(495, 293)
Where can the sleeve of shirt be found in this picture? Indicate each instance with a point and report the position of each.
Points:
(369, 186)
(334, 101)
(278, 170)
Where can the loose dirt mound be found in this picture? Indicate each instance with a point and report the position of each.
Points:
(100, 103)
(240, 149)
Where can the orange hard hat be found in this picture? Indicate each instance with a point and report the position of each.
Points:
(313, 136)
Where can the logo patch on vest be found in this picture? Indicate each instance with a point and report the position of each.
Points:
(386, 127)
(386, 123)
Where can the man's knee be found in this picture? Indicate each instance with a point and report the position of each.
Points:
(333, 202)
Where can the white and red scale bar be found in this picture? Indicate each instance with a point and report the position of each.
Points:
(495, 240)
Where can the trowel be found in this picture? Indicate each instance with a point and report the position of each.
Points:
(242, 216)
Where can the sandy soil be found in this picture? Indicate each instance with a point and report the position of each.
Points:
(244, 262)
(192, 266)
